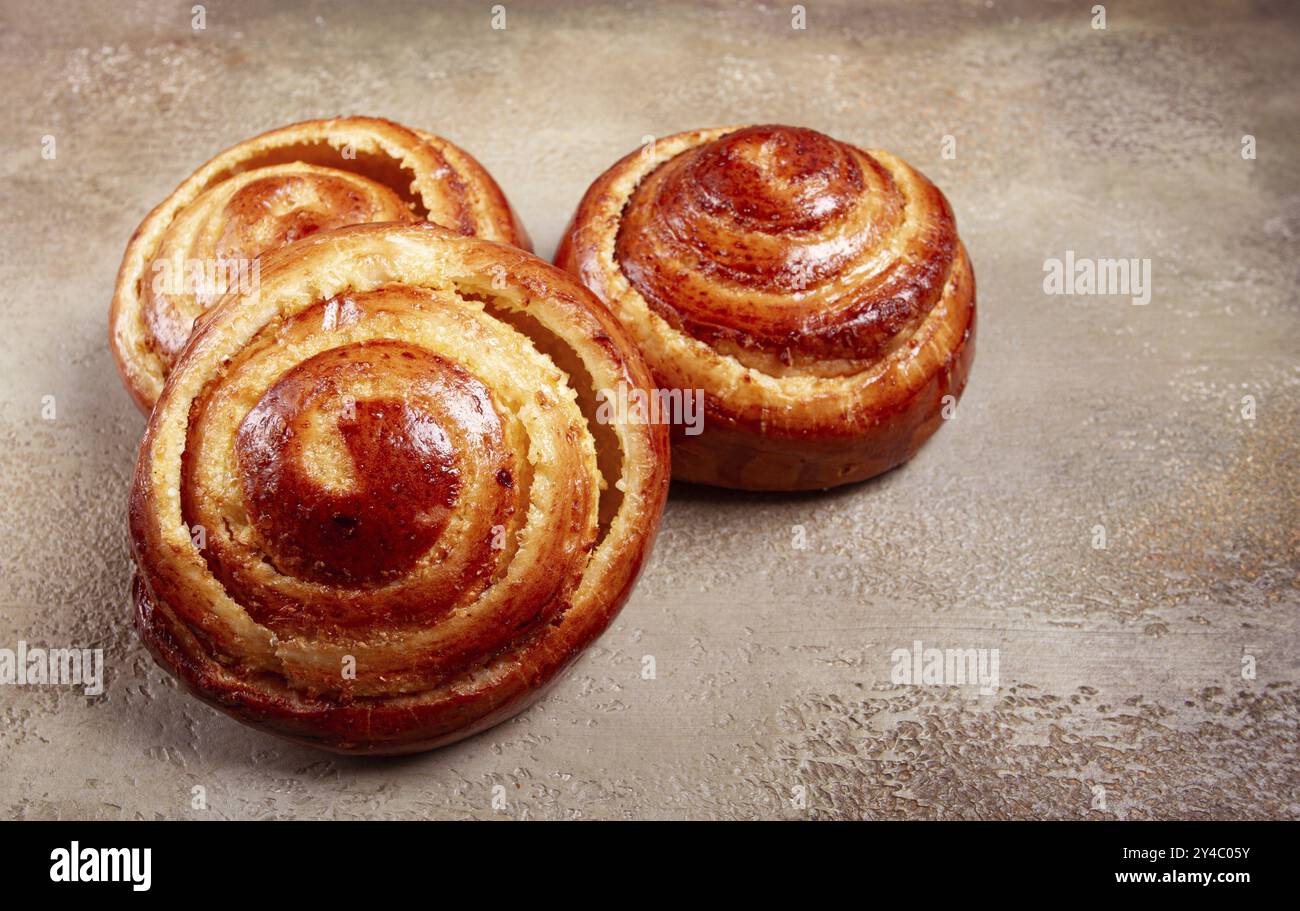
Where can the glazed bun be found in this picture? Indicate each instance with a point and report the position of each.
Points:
(374, 510)
(816, 292)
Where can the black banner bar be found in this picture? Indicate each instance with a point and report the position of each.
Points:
(332, 859)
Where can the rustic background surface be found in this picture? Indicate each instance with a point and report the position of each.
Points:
(1120, 667)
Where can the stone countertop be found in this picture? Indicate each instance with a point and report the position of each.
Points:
(1169, 429)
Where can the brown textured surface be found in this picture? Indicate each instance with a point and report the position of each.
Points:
(1119, 667)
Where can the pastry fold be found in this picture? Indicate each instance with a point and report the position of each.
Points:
(817, 293)
(266, 192)
(374, 510)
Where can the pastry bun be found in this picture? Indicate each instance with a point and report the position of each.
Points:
(816, 292)
(373, 510)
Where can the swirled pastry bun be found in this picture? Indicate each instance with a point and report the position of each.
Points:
(816, 292)
(266, 192)
(374, 510)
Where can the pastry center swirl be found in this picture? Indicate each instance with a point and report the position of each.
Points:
(784, 247)
(770, 179)
(363, 469)
(211, 246)
(352, 463)
(270, 212)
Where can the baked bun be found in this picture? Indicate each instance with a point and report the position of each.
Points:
(203, 240)
(816, 292)
(373, 509)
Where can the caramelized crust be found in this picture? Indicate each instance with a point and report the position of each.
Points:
(373, 510)
(816, 292)
(203, 241)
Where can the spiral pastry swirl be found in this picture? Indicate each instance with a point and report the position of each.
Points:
(204, 240)
(373, 509)
(817, 293)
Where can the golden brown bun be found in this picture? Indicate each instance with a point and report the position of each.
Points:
(386, 461)
(270, 191)
(818, 294)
